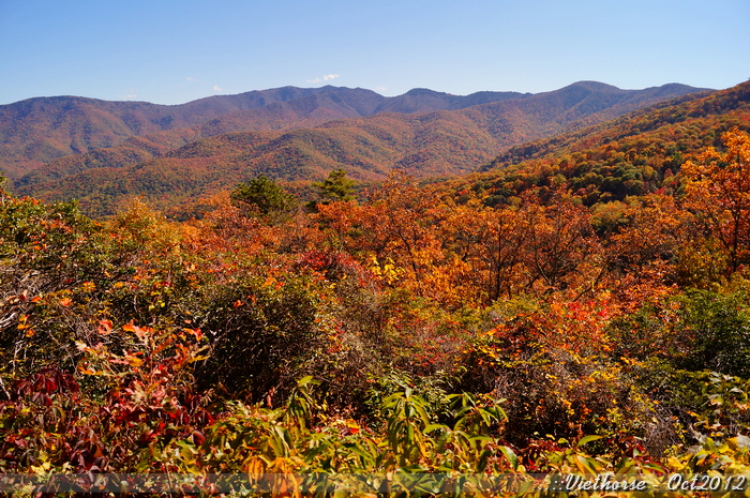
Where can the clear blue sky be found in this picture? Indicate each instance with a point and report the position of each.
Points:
(170, 52)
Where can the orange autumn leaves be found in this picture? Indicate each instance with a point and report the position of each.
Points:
(718, 192)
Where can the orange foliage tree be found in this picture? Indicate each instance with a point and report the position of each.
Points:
(718, 191)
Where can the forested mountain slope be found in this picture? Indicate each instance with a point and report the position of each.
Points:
(632, 155)
(36, 131)
(439, 143)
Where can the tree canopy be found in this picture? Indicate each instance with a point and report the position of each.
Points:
(337, 187)
(264, 195)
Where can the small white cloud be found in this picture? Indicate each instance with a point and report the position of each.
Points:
(130, 95)
(191, 79)
(327, 77)
(380, 88)
(217, 89)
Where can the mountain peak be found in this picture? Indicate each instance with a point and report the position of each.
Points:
(419, 92)
(595, 86)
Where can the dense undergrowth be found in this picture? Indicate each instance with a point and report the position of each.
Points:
(420, 342)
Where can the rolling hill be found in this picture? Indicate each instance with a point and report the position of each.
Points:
(455, 139)
(632, 155)
(36, 131)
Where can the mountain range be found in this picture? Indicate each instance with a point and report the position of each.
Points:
(38, 130)
(106, 152)
(639, 153)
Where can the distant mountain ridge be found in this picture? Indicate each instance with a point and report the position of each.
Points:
(605, 164)
(170, 167)
(36, 131)
(707, 116)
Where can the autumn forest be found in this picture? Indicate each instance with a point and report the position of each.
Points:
(437, 296)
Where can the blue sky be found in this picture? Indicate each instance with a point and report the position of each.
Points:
(171, 52)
